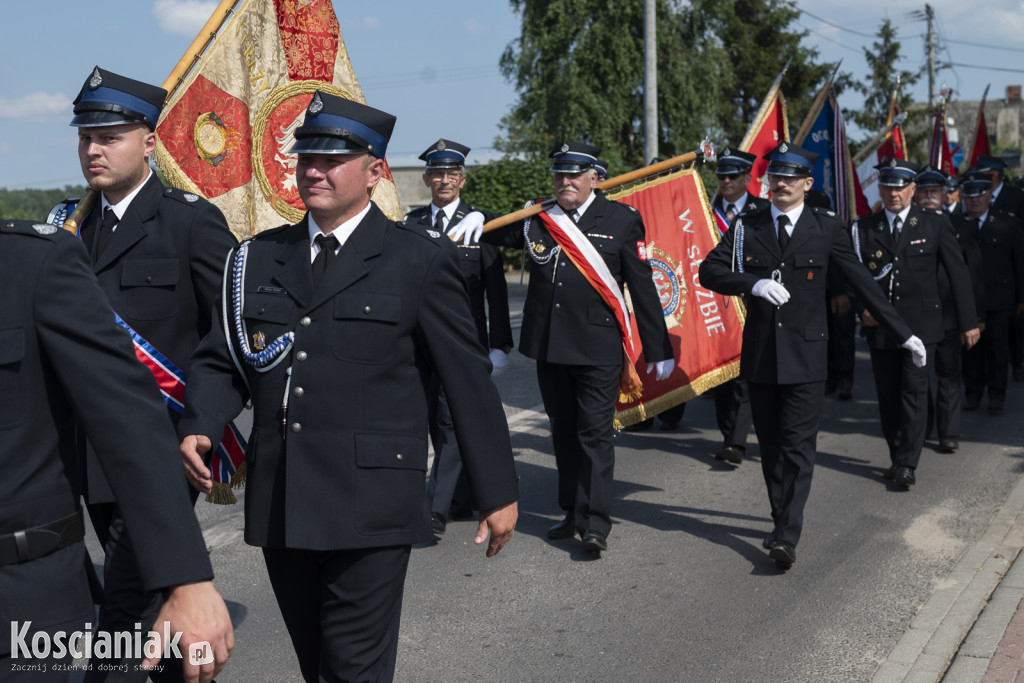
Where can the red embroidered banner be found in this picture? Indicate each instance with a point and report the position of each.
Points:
(706, 328)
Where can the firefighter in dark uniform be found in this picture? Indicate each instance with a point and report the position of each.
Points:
(158, 253)
(1002, 251)
(62, 357)
(732, 401)
(574, 337)
(336, 326)
(902, 247)
(1008, 200)
(951, 196)
(482, 268)
(779, 257)
(945, 398)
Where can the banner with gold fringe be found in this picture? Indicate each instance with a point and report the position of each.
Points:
(706, 328)
(226, 130)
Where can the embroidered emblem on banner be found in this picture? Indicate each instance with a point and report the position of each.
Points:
(671, 285)
(641, 250)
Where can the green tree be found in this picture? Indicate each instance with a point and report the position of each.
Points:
(882, 59)
(34, 204)
(578, 68)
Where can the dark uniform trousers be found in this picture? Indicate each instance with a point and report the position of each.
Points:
(335, 482)
(161, 273)
(484, 273)
(1002, 251)
(945, 402)
(574, 337)
(913, 259)
(785, 348)
(63, 358)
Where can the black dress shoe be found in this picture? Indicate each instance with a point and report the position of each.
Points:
(972, 402)
(783, 553)
(729, 454)
(438, 523)
(948, 445)
(595, 541)
(995, 406)
(668, 425)
(768, 541)
(890, 473)
(640, 426)
(564, 529)
(905, 476)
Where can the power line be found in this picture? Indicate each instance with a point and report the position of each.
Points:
(991, 47)
(834, 25)
(986, 68)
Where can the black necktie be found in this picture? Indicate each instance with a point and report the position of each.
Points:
(730, 213)
(896, 225)
(327, 243)
(439, 222)
(783, 221)
(106, 230)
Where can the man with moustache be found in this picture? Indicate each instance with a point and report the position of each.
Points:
(331, 326)
(481, 266)
(779, 257)
(902, 247)
(945, 401)
(158, 253)
(574, 336)
(1002, 251)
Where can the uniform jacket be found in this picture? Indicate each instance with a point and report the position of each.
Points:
(975, 266)
(751, 203)
(61, 356)
(161, 273)
(1010, 201)
(926, 240)
(1002, 252)
(344, 467)
(564, 319)
(482, 268)
(788, 344)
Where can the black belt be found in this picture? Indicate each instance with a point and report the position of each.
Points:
(29, 544)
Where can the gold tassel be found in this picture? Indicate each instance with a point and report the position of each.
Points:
(238, 478)
(630, 387)
(221, 495)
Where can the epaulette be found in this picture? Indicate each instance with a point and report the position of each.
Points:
(749, 208)
(934, 212)
(32, 228)
(268, 232)
(181, 195)
(423, 231)
(821, 211)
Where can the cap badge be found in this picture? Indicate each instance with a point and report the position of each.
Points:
(317, 105)
(893, 163)
(440, 146)
(783, 148)
(96, 79)
(565, 147)
(44, 228)
(726, 152)
(189, 197)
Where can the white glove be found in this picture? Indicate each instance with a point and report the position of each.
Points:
(772, 291)
(665, 368)
(916, 348)
(470, 227)
(499, 359)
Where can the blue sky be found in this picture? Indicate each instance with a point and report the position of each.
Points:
(433, 65)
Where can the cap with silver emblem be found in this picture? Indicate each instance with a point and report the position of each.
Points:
(445, 154)
(107, 99)
(893, 172)
(335, 125)
(790, 161)
(574, 157)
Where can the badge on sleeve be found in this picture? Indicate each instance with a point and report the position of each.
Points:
(641, 250)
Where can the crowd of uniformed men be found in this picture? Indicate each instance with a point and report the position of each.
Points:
(327, 325)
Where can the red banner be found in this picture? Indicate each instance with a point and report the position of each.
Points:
(981, 146)
(706, 328)
(763, 137)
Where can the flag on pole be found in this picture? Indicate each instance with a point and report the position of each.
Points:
(893, 146)
(226, 130)
(833, 172)
(939, 155)
(980, 145)
(770, 127)
(706, 328)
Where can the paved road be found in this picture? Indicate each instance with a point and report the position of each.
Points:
(685, 592)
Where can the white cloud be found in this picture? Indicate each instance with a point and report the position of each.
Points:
(371, 23)
(35, 105)
(183, 17)
(474, 27)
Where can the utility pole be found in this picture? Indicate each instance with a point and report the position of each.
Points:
(929, 14)
(650, 81)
